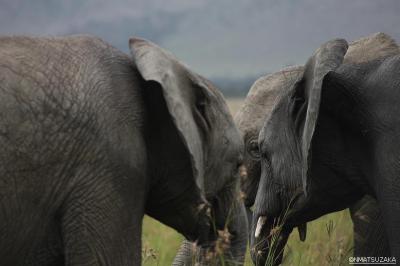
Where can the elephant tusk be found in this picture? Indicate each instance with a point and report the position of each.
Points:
(260, 223)
(302, 231)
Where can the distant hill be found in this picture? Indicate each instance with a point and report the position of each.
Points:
(234, 87)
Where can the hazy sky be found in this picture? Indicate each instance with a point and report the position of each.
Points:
(217, 38)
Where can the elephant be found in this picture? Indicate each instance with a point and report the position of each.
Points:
(323, 146)
(92, 139)
(369, 239)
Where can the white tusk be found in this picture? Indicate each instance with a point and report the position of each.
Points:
(260, 223)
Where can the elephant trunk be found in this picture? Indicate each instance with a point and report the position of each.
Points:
(231, 251)
(239, 240)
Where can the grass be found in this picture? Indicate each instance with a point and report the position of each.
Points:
(159, 243)
(329, 239)
(329, 242)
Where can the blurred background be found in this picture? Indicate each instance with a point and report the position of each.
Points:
(230, 42)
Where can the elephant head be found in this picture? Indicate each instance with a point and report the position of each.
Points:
(250, 118)
(285, 142)
(194, 148)
(293, 158)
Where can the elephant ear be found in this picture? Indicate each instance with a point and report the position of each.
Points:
(326, 59)
(156, 64)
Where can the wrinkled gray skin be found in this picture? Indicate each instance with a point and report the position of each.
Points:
(369, 239)
(327, 143)
(369, 235)
(92, 139)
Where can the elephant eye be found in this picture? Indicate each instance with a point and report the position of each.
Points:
(253, 150)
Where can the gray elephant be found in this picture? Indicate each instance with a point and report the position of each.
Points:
(92, 139)
(369, 239)
(330, 140)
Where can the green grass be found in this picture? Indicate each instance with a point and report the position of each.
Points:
(159, 243)
(329, 242)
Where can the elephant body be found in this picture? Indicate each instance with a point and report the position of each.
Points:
(63, 130)
(92, 139)
(369, 236)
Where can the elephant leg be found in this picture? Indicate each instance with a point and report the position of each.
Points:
(369, 233)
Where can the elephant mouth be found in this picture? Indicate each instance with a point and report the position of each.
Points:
(270, 233)
(269, 239)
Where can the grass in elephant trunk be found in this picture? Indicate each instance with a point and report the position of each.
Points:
(275, 243)
(329, 239)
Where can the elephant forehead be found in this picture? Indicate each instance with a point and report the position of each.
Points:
(263, 96)
(274, 83)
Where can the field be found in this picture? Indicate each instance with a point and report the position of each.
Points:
(329, 239)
